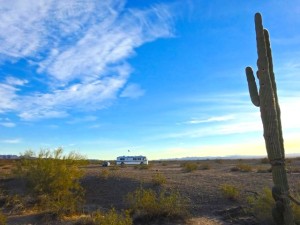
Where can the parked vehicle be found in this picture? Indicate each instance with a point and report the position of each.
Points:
(106, 163)
(131, 160)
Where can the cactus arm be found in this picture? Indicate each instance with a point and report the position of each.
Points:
(252, 86)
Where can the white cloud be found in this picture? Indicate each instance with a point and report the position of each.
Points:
(80, 49)
(11, 141)
(216, 130)
(95, 126)
(10, 80)
(132, 91)
(7, 124)
(212, 119)
(83, 119)
(9, 97)
(241, 117)
(85, 96)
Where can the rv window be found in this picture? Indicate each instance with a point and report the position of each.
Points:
(122, 159)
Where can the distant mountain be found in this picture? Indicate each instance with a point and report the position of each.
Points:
(9, 157)
(292, 155)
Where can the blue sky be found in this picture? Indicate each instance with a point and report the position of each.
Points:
(159, 78)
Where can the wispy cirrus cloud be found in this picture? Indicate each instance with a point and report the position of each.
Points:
(9, 102)
(11, 141)
(211, 119)
(132, 91)
(83, 120)
(239, 117)
(7, 124)
(238, 127)
(77, 48)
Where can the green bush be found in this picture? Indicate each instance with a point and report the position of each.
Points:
(159, 179)
(112, 218)
(262, 205)
(149, 205)
(230, 191)
(53, 180)
(189, 166)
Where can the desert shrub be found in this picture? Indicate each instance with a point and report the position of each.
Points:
(265, 160)
(189, 166)
(296, 211)
(53, 180)
(164, 164)
(142, 166)
(242, 168)
(262, 204)
(230, 192)
(112, 217)
(219, 161)
(147, 204)
(262, 170)
(159, 179)
(292, 169)
(205, 166)
(2, 219)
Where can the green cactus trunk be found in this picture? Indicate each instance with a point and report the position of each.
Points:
(267, 100)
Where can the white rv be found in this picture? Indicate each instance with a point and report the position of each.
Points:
(131, 160)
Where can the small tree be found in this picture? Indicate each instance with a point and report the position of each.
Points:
(53, 179)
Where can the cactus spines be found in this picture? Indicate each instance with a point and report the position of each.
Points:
(266, 98)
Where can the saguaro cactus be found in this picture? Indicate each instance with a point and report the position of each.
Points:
(266, 98)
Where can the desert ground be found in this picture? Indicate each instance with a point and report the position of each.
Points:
(107, 187)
